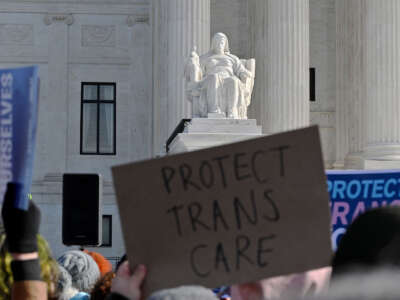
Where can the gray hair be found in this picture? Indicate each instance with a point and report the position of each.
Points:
(184, 293)
(382, 284)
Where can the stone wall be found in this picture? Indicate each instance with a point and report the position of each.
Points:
(73, 43)
(231, 18)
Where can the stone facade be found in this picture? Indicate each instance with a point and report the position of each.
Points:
(74, 42)
(123, 41)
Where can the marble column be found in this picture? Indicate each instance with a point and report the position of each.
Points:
(177, 26)
(140, 69)
(382, 89)
(282, 57)
(57, 93)
(255, 13)
(349, 83)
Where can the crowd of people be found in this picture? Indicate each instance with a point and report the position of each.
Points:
(365, 266)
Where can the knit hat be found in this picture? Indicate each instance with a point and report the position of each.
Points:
(103, 263)
(82, 268)
(64, 285)
(183, 293)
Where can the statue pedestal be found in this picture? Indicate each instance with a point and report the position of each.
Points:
(202, 133)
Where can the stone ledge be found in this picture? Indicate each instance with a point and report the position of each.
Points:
(226, 126)
(223, 121)
(202, 133)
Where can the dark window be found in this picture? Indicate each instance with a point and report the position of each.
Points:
(107, 231)
(312, 84)
(98, 122)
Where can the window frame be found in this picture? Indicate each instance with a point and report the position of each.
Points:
(110, 217)
(98, 102)
(313, 91)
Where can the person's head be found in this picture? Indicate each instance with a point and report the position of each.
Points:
(103, 263)
(371, 241)
(102, 287)
(377, 285)
(48, 266)
(220, 43)
(291, 286)
(183, 293)
(82, 268)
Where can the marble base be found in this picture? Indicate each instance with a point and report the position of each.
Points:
(216, 116)
(371, 164)
(357, 161)
(382, 156)
(202, 133)
(354, 161)
(338, 165)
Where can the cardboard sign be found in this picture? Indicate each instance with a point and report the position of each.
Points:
(18, 117)
(354, 192)
(229, 214)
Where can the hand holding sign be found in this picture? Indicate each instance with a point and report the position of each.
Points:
(229, 214)
(127, 283)
(21, 226)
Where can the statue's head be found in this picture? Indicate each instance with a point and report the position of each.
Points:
(220, 42)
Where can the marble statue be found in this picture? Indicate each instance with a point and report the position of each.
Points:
(193, 76)
(219, 84)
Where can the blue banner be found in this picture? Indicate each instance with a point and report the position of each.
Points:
(354, 192)
(18, 119)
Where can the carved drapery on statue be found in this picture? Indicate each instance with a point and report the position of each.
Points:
(219, 84)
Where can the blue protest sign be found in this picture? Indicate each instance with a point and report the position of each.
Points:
(354, 192)
(18, 118)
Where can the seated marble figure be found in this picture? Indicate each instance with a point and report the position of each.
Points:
(218, 83)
